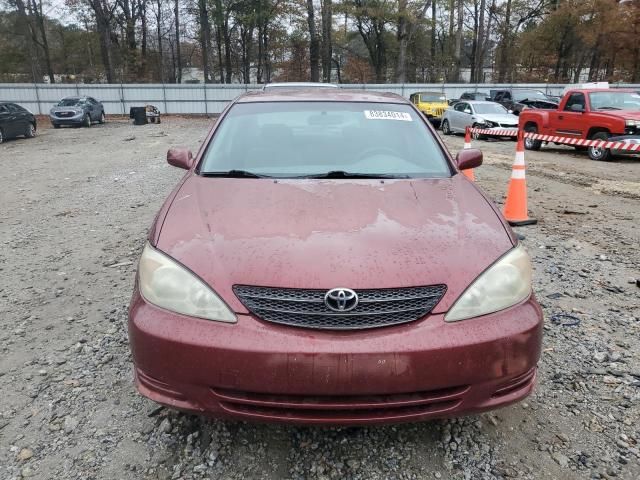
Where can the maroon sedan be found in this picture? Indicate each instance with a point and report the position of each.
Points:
(323, 261)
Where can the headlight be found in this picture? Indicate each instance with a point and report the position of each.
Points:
(167, 284)
(505, 283)
(632, 123)
(490, 124)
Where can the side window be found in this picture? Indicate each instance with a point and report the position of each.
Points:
(459, 107)
(467, 109)
(414, 98)
(3, 109)
(575, 99)
(12, 108)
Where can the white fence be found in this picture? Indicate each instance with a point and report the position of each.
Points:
(204, 99)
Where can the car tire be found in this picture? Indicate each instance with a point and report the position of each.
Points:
(446, 130)
(477, 136)
(86, 122)
(600, 154)
(31, 131)
(102, 118)
(1, 136)
(530, 144)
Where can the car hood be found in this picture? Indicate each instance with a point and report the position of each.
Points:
(499, 117)
(626, 114)
(323, 234)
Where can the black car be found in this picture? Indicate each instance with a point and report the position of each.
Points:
(516, 99)
(77, 111)
(16, 121)
(481, 96)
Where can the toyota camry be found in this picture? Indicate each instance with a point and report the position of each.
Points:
(324, 261)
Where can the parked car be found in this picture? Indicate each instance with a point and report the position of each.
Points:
(77, 111)
(480, 96)
(594, 114)
(297, 85)
(431, 104)
(486, 115)
(16, 121)
(313, 266)
(517, 99)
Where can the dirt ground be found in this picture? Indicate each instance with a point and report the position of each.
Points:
(76, 205)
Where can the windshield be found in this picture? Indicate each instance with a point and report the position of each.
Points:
(529, 94)
(615, 100)
(70, 102)
(433, 97)
(490, 108)
(294, 139)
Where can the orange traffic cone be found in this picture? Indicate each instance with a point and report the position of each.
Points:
(467, 144)
(515, 207)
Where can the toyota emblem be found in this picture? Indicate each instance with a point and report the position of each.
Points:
(341, 299)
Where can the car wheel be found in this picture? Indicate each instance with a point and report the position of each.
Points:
(597, 153)
(446, 130)
(1, 136)
(87, 121)
(102, 118)
(31, 131)
(529, 143)
(476, 135)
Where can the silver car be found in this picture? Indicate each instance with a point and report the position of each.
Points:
(77, 111)
(486, 115)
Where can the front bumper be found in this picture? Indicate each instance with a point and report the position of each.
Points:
(258, 371)
(75, 120)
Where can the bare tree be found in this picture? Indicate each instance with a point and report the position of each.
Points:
(314, 44)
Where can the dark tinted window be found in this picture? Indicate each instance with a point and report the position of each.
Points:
(575, 99)
(4, 109)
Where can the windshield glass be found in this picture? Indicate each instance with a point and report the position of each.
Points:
(70, 102)
(292, 139)
(529, 94)
(490, 108)
(433, 97)
(615, 100)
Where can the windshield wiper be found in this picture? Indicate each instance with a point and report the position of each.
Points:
(234, 174)
(608, 108)
(343, 174)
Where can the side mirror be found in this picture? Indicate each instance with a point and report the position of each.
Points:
(180, 157)
(576, 107)
(470, 158)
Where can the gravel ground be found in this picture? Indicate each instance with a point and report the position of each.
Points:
(76, 205)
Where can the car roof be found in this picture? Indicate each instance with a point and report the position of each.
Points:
(319, 95)
(429, 92)
(300, 84)
(478, 102)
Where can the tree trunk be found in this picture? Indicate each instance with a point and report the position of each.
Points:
(314, 46)
(227, 48)
(505, 45)
(37, 11)
(479, 56)
(402, 35)
(176, 12)
(432, 52)
(205, 38)
(327, 47)
(458, 48)
(159, 35)
(143, 43)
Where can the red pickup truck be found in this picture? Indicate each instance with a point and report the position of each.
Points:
(595, 114)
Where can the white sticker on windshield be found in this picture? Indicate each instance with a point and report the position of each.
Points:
(387, 115)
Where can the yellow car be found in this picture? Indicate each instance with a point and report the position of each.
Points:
(432, 104)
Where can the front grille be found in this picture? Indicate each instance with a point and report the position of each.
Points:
(306, 308)
(64, 114)
(438, 112)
